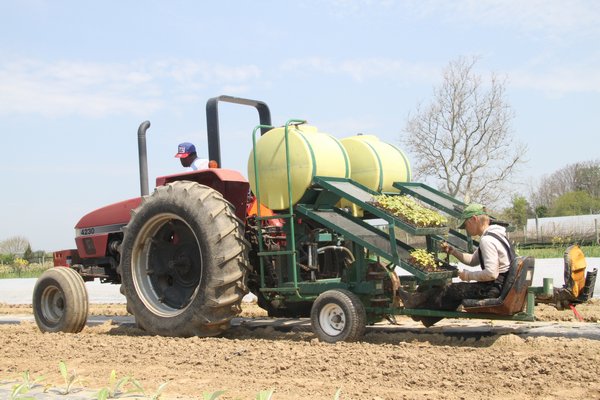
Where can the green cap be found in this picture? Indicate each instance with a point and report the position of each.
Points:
(470, 211)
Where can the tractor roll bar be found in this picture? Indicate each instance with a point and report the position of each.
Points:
(143, 157)
(212, 121)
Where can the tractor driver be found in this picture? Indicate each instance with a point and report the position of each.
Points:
(186, 152)
(494, 255)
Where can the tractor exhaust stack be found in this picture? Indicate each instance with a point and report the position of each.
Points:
(143, 157)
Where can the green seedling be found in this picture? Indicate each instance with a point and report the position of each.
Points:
(138, 386)
(70, 379)
(156, 396)
(116, 387)
(31, 383)
(213, 395)
(424, 259)
(337, 395)
(19, 391)
(410, 211)
(265, 394)
(102, 394)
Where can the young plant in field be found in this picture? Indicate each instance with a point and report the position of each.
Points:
(70, 379)
(213, 396)
(102, 394)
(410, 211)
(19, 392)
(424, 260)
(30, 381)
(116, 387)
(156, 396)
(265, 394)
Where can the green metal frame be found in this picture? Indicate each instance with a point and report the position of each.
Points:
(392, 255)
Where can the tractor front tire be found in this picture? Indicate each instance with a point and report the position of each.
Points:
(184, 262)
(338, 315)
(60, 301)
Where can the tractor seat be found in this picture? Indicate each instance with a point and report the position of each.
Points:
(513, 295)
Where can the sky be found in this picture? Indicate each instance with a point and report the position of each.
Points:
(78, 77)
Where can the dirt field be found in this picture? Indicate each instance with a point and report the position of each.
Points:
(295, 365)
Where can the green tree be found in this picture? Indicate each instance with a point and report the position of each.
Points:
(7, 258)
(575, 203)
(542, 211)
(28, 254)
(518, 213)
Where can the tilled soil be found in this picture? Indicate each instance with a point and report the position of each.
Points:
(296, 365)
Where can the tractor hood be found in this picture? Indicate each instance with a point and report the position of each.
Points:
(92, 232)
(114, 214)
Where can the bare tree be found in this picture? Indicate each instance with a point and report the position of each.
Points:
(14, 245)
(553, 186)
(587, 177)
(462, 139)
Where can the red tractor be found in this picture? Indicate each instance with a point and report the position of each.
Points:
(179, 254)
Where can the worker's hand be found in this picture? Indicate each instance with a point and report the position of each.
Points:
(446, 248)
(463, 275)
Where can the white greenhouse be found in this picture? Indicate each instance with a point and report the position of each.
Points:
(563, 228)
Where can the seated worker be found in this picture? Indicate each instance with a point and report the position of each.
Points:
(494, 255)
(186, 152)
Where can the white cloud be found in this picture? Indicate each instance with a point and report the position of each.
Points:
(551, 18)
(397, 70)
(96, 89)
(540, 75)
(361, 70)
(308, 63)
(558, 80)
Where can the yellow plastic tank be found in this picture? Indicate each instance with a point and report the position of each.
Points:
(376, 164)
(312, 153)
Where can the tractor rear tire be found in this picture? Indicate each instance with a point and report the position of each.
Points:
(60, 301)
(184, 262)
(338, 315)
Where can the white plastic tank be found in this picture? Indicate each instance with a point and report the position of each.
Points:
(312, 153)
(376, 164)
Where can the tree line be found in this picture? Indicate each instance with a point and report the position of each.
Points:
(572, 190)
(18, 247)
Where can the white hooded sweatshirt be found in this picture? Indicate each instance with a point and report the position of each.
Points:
(495, 257)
